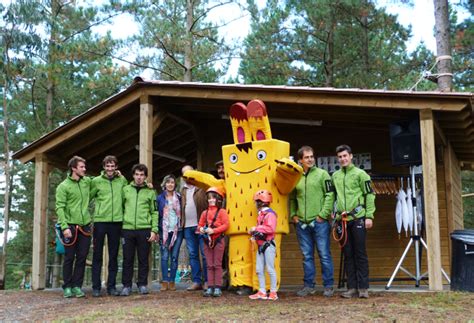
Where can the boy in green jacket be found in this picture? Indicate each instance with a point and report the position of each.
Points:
(72, 202)
(139, 229)
(106, 191)
(356, 202)
(311, 204)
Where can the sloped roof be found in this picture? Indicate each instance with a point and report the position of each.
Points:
(113, 125)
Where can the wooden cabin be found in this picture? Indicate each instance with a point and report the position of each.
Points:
(168, 124)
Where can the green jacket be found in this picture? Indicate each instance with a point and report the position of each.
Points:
(107, 194)
(353, 189)
(72, 202)
(139, 208)
(312, 196)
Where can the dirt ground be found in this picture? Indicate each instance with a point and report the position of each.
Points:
(191, 306)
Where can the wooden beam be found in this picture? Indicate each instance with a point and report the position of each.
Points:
(448, 179)
(146, 133)
(75, 129)
(200, 144)
(440, 132)
(336, 98)
(97, 137)
(158, 119)
(118, 143)
(40, 222)
(430, 192)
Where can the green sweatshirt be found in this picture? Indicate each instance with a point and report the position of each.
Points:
(139, 208)
(353, 189)
(108, 197)
(72, 202)
(312, 196)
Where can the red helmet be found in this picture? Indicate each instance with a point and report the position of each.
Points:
(219, 191)
(264, 196)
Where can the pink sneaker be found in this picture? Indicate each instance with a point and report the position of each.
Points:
(273, 296)
(258, 295)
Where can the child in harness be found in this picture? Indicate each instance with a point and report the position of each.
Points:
(212, 225)
(264, 234)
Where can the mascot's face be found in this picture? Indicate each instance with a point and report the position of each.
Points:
(248, 158)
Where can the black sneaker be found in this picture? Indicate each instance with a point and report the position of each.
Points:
(96, 292)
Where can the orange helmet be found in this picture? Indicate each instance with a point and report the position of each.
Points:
(264, 196)
(219, 191)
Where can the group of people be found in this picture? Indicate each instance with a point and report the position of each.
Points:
(132, 212)
(348, 199)
(123, 212)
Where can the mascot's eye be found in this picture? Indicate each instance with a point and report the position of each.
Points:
(261, 154)
(233, 158)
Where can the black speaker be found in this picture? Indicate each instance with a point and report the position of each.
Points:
(405, 142)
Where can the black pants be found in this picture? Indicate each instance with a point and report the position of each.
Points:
(74, 263)
(355, 255)
(135, 241)
(112, 230)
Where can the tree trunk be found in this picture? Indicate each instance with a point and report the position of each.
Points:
(52, 57)
(6, 212)
(365, 38)
(443, 46)
(329, 63)
(188, 49)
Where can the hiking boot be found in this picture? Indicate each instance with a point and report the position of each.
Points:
(67, 292)
(272, 296)
(328, 292)
(194, 286)
(363, 293)
(113, 292)
(96, 293)
(77, 291)
(164, 286)
(208, 293)
(259, 295)
(172, 286)
(125, 291)
(350, 293)
(217, 292)
(305, 291)
(143, 290)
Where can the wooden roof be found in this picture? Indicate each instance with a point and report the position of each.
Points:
(112, 126)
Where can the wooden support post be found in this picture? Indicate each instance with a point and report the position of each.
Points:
(146, 134)
(40, 222)
(146, 151)
(431, 199)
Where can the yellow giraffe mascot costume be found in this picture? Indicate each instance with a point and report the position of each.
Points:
(254, 162)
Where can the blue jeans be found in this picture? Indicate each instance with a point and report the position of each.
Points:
(170, 276)
(308, 237)
(194, 243)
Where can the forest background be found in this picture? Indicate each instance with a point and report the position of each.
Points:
(55, 64)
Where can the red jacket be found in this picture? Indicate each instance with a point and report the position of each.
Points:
(220, 224)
